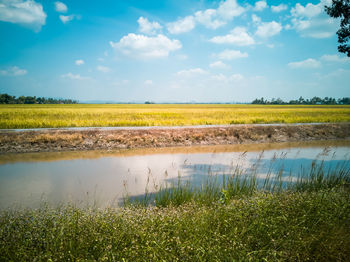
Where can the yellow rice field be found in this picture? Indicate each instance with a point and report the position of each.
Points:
(102, 115)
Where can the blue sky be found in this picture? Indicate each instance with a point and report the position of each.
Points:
(170, 50)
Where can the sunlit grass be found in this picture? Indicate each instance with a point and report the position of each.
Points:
(36, 116)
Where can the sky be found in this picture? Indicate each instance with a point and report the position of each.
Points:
(170, 50)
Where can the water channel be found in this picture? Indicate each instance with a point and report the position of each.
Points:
(102, 178)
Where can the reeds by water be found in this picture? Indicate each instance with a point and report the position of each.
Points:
(241, 217)
(239, 182)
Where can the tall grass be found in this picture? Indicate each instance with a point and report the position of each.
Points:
(236, 217)
(240, 182)
(38, 116)
(285, 226)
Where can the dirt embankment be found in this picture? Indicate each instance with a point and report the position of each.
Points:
(110, 139)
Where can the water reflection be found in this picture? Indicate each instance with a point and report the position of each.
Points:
(289, 169)
(104, 177)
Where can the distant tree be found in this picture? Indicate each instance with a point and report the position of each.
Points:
(344, 101)
(279, 101)
(301, 100)
(258, 101)
(30, 100)
(7, 99)
(21, 100)
(341, 9)
(329, 101)
(315, 100)
(41, 100)
(255, 101)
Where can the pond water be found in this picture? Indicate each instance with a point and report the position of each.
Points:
(103, 178)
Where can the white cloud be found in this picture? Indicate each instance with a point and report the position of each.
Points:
(79, 62)
(60, 7)
(236, 77)
(279, 8)
(191, 72)
(182, 25)
(237, 36)
(66, 18)
(231, 54)
(103, 69)
(268, 29)
(208, 18)
(340, 72)
(260, 6)
(219, 78)
(75, 77)
(28, 13)
(146, 27)
(141, 46)
(311, 20)
(335, 58)
(148, 82)
(310, 10)
(256, 19)
(288, 27)
(219, 65)
(226, 79)
(13, 71)
(305, 64)
(314, 63)
(229, 9)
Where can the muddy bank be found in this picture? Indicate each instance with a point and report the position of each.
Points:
(53, 140)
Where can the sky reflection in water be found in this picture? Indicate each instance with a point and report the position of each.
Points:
(104, 179)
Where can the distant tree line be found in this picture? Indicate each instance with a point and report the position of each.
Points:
(301, 101)
(8, 99)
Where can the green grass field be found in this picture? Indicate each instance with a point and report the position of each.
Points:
(81, 115)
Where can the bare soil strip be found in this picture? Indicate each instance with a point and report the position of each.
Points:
(54, 140)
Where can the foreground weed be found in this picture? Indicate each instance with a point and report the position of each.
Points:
(293, 226)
